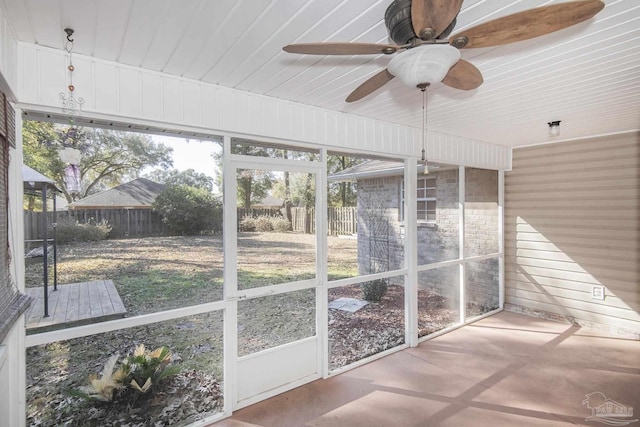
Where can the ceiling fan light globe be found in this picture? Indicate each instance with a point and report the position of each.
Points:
(424, 64)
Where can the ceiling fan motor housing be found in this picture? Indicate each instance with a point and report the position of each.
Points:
(397, 19)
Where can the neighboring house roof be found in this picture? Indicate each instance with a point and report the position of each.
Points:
(368, 169)
(269, 202)
(377, 169)
(139, 193)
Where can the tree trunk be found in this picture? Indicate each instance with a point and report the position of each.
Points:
(307, 189)
(343, 185)
(287, 192)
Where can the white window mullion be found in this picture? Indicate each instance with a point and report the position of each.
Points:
(322, 294)
(423, 186)
(230, 287)
(411, 253)
(274, 164)
(461, 240)
(501, 239)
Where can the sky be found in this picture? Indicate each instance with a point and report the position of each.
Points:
(191, 154)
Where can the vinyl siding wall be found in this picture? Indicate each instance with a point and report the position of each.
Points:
(572, 222)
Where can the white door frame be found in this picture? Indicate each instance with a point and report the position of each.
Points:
(304, 360)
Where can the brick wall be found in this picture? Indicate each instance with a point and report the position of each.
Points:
(482, 285)
(440, 242)
(481, 238)
(380, 232)
(379, 201)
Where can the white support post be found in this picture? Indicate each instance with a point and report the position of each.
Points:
(16, 206)
(411, 252)
(322, 294)
(230, 286)
(16, 358)
(501, 282)
(461, 240)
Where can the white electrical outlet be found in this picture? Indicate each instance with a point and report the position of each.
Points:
(597, 292)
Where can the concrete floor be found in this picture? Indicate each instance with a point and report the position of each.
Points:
(505, 370)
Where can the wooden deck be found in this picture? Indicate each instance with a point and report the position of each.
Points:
(73, 305)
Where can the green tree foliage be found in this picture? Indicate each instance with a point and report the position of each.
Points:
(40, 155)
(109, 157)
(253, 185)
(299, 188)
(342, 194)
(296, 189)
(187, 177)
(187, 210)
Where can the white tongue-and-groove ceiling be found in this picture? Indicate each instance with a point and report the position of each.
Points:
(587, 76)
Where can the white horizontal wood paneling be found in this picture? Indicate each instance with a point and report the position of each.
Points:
(572, 221)
(129, 94)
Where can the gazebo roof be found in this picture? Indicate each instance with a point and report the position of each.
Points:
(33, 179)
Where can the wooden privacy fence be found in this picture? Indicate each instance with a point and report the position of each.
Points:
(145, 222)
(123, 222)
(303, 220)
(342, 220)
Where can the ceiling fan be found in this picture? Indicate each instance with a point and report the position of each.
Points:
(421, 28)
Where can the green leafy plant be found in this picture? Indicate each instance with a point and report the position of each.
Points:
(188, 210)
(137, 375)
(280, 225)
(248, 224)
(145, 369)
(374, 290)
(102, 388)
(69, 230)
(263, 224)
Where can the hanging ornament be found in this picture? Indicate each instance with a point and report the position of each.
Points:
(70, 104)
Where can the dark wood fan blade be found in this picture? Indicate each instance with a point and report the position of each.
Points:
(528, 24)
(371, 85)
(433, 14)
(340, 48)
(463, 75)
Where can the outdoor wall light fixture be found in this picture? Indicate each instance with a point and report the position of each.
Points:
(554, 128)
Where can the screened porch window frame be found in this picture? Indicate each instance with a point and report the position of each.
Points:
(229, 303)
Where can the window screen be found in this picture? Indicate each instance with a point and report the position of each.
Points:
(12, 302)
